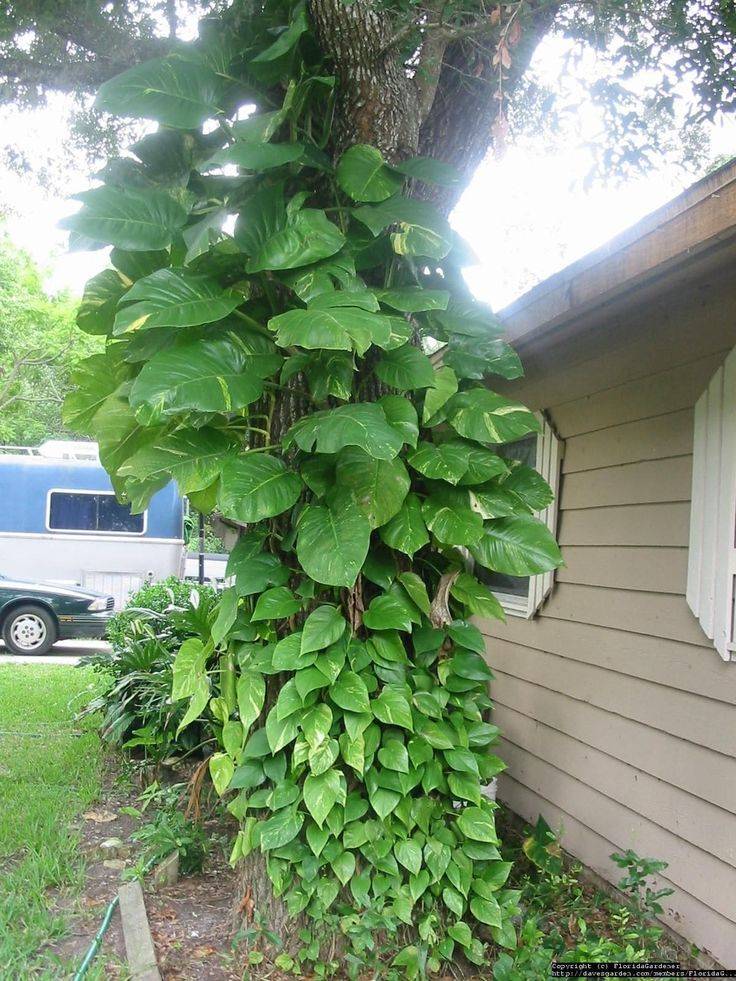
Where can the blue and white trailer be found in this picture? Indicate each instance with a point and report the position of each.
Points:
(61, 522)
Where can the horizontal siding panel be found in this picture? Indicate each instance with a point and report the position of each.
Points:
(683, 913)
(698, 720)
(653, 338)
(665, 662)
(695, 821)
(655, 614)
(661, 570)
(692, 768)
(633, 524)
(667, 391)
(649, 482)
(703, 876)
(646, 439)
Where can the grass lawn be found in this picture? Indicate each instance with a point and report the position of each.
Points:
(50, 771)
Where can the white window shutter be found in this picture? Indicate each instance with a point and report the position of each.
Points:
(712, 556)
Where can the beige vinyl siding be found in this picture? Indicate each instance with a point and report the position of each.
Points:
(619, 717)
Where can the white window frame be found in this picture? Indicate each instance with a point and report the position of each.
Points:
(711, 567)
(83, 531)
(548, 461)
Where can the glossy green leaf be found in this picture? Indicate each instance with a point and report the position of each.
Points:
(350, 692)
(323, 627)
(256, 156)
(405, 368)
(486, 910)
(477, 824)
(450, 519)
(188, 668)
(414, 299)
(409, 854)
(322, 792)
(173, 91)
(174, 298)
(308, 237)
(254, 486)
(251, 695)
(337, 329)
(518, 546)
(489, 418)
(96, 312)
(205, 376)
(443, 461)
(221, 770)
(422, 230)
(288, 38)
(476, 597)
(394, 756)
(128, 219)
(192, 457)
(406, 531)
(280, 829)
(401, 416)
(392, 708)
(443, 388)
(416, 589)
(377, 487)
(275, 604)
(364, 175)
(332, 545)
(362, 424)
(389, 612)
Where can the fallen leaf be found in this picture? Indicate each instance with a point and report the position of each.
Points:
(100, 817)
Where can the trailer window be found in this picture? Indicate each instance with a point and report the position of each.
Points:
(90, 512)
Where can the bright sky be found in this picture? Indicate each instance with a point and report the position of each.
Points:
(526, 214)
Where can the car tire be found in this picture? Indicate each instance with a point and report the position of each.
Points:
(29, 629)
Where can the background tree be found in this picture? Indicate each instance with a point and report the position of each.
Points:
(39, 343)
(281, 263)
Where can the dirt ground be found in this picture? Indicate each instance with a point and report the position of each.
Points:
(191, 921)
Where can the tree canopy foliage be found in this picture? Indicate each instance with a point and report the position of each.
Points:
(664, 65)
(38, 344)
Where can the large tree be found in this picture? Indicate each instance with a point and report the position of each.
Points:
(39, 344)
(281, 265)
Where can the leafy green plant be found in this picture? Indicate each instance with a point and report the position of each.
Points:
(279, 373)
(635, 882)
(169, 598)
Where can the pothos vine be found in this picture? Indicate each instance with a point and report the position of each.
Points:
(268, 313)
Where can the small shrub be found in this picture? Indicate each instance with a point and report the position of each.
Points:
(164, 597)
(138, 711)
(169, 830)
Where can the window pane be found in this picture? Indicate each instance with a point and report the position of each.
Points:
(113, 516)
(91, 512)
(73, 512)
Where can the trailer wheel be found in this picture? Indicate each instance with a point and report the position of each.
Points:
(29, 629)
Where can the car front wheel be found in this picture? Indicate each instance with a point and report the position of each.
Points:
(29, 630)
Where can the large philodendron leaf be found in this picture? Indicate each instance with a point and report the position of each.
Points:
(134, 220)
(172, 91)
(308, 237)
(96, 312)
(489, 418)
(95, 378)
(362, 424)
(256, 156)
(476, 357)
(406, 531)
(422, 229)
(377, 487)
(191, 457)
(205, 375)
(449, 517)
(174, 298)
(457, 462)
(338, 329)
(363, 174)
(254, 486)
(517, 546)
(405, 368)
(414, 299)
(332, 544)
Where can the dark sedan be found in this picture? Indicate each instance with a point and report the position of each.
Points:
(34, 615)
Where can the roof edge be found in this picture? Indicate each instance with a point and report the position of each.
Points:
(700, 217)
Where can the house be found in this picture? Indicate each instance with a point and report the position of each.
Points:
(615, 679)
